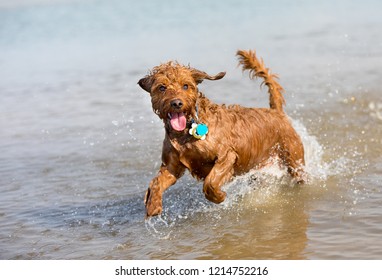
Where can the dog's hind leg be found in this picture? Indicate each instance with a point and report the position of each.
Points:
(220, 174)
(292, 154)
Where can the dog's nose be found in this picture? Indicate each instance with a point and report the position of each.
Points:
(176, 104)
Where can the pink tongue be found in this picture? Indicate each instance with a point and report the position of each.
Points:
(178, 121)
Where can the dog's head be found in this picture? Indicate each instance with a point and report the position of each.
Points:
(174, 92)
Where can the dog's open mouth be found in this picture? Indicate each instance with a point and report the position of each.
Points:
(178, 121)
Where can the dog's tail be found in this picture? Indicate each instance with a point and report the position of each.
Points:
(257, 68)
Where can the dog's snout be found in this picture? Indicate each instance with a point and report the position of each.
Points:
(176, 104)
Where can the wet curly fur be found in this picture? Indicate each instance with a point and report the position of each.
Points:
(259, 134)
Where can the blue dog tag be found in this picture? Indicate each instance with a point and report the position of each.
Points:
(199, 131)
(202, 129)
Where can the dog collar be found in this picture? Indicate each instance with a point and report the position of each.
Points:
(198, 130)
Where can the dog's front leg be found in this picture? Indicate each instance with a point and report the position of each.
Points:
(168, 174)
(220, 174)
(153, 198)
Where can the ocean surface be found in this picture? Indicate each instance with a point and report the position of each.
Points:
(79, 141)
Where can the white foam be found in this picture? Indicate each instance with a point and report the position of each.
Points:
(314, 152)
(158, 227)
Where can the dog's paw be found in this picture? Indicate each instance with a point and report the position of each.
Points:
(153, 203)
(152, 210)
(215, 196)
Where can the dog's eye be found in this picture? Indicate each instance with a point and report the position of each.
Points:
(185, 87)
(162, 88)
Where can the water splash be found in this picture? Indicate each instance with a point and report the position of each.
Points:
(158, 227)
(313, 152)
(315, 165)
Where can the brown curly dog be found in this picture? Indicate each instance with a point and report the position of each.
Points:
(217, 142)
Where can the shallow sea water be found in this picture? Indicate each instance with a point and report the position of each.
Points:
(79, 142)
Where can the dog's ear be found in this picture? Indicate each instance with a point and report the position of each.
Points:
(146, 83)
(199, 76)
